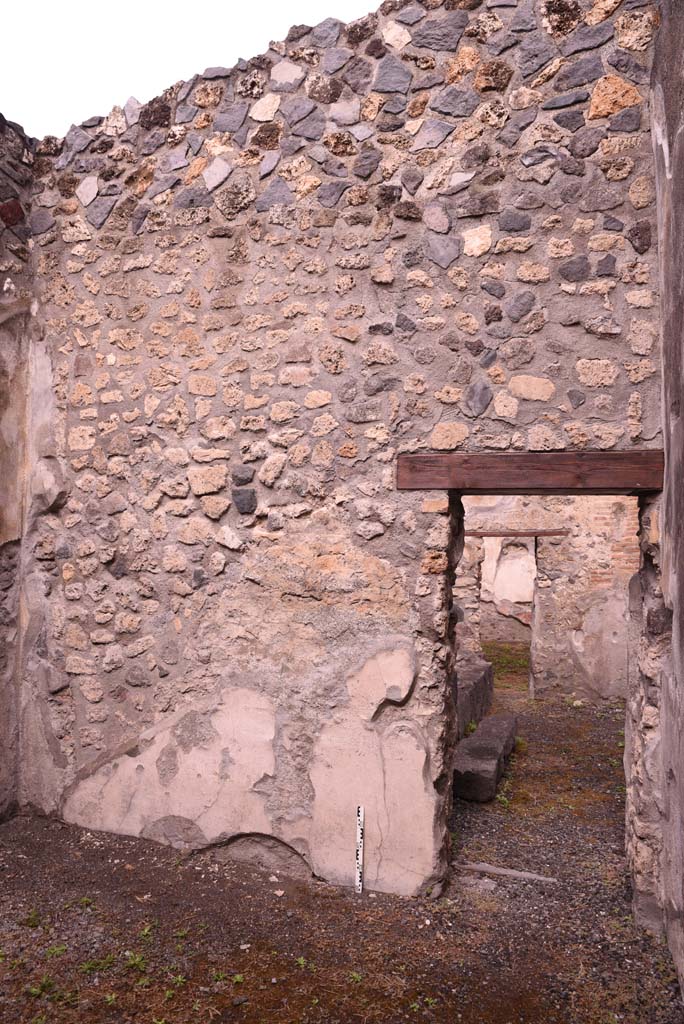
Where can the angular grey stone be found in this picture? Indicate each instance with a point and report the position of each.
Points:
(585, 142)
(479, 205)
(192, 198)
(357, 74)
(410, 15)
(606, 266)
(361, 132)
(629, 66)
(269, 163)
(186, 89)
(367, 162)
(587, 37)
(138, 218)
(327, 33)
(577, 398)
(568, 99)
(99, 210)
(75, 141)
(492, 287)
(216, 173)
(186, 112)
(278, 193)
(175, 159)
(501, 42)
(412, 178)
(628, 120)
(477, 398)
(517, 125)
(442, 249)
(131, 111)
(160, 185)
(571, 120)
(539, 155)
(311, 127)
(513, 221)
(524, 20)
(296, 110)
(441, 33)
(329, 195)
(244, 500)
(454, 101)
(396, 104)
(601, 197)
(335, 59)
(639, 235)
(153, 141)
(41, 221)
(533, 54)
(575, 270)
(346, 112)
(520, 305)
(288, 147)
(392, 76)
(217, 72)
(233, 118)
(584, 70)
(432, 133)
(612, 223)
(436, 218)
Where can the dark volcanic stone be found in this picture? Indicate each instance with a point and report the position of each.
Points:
(512, 220)
(533, 54)
(244, 499)
(640, 236)
(627, 65)
(628, 120)
(232, 119)
(311, 127)
(477, 398)
(520, 306)
(442, 249)
(576, 269)
(392, 76)
(571, 120)
(155, 114)
(492, 287)
(600, 197)
(411, 178)
(329, 195)
(587, 69)
(588, 37)
(456, 102)
(586, 142)
(577, 398)
(568, 99)
(99, 210)
(367, 162)
(606, 266)
(441, 33)
(278, 193)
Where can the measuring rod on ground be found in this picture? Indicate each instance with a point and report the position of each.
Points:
(360, 828)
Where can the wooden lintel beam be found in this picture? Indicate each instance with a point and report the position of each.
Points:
(594, 472)
(517, 533)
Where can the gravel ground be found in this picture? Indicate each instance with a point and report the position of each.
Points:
(98, 928)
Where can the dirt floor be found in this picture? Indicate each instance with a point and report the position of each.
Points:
(104, 929)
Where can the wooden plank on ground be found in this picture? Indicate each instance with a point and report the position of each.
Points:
(587, 472)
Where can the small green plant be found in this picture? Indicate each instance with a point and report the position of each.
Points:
(85, 901)
(44, 986)
(55, 951)
(40, 1019)
(520, 745)
(110, 999)
(238, 979)
(502, 799)
(355, 977)
(181, 933)
(219, 976)
(179, 980)
(146, 931)
(430, 1002)
(32, 919)
(95, 966)
(470, 728)
(301, 961)
(136, 962)
(169, 994)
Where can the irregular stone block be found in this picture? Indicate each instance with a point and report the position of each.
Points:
(480, 759)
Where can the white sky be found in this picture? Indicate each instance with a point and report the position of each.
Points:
(63, 63)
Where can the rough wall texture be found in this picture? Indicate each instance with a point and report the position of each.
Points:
(668, 137)
(572, 591)
(433, 228)
(15, 302)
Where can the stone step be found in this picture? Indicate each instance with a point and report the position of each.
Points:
(480, 758)
(474, 689)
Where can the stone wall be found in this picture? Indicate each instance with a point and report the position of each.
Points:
(433, 228)
(577, 606)
(15, 305)
(663, 716)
